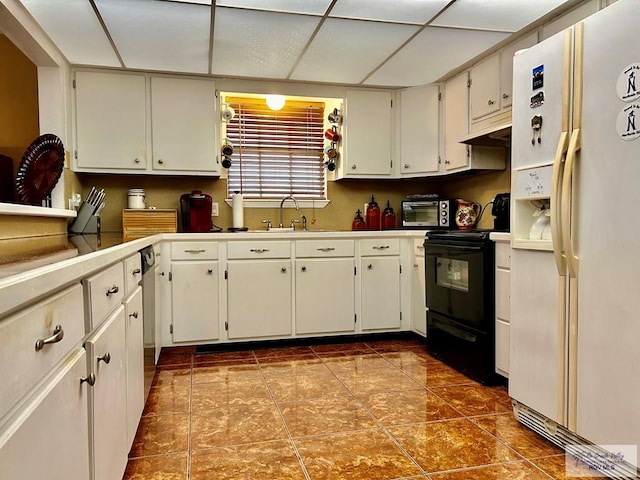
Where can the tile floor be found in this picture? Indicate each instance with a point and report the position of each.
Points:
(376, 410)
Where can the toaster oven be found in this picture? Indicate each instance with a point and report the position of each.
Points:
(432, 213)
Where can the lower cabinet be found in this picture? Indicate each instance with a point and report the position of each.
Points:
(135, 362)
(258, 298)
(48, 439)
(325, 295)
(502, 305)
(107, 358)
(418, 290)
(380, 284)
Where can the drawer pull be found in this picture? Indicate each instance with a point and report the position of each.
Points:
(259, 250)
(106, 358)
(283, 269)
(134, 314)
(369, 266)
(195, 250)
(209, 271)
(326, 249)
(58, 334)
(136, 271)
(304, 269)
(90, 379)
(420, 247)
(380, 247)
(112, 290)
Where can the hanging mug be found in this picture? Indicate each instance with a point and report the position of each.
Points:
(330, 165)
(332, 134)
(226, 162)
(334, 117)
(227, 148)
(331, 151)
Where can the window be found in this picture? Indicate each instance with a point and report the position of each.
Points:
(276, 153)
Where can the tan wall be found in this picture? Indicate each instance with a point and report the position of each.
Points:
(18, 101)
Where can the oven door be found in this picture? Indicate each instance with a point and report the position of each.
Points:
(459, 280)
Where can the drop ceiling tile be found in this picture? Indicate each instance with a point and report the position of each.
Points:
(73, 26)
(403, 11)
(159, 35)
(311, 7)
(345, 51)
(433, 53)
(504, 15)
(251, 43)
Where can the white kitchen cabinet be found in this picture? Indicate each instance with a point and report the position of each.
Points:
(135, 362)
(460, 157)
(195, 281)
(419, 131)
(48, 439)
(110, 122)
(484, 93)
(325, 286)
(183, 124)
(103, 292)
(418, 289)
(502, 301)
(107, 359)
(367, 130)
(506, 67)
(259, 289)
(380, 284)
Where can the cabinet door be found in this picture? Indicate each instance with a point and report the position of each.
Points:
(506, 67)
(135, 363)
(367, 134)
(50, 440)
(419, 130)
(380, 292)
(106, 351)
(259, 298)
(110, 121)
(456, 122)
(194, 295)
(419, 298)
(325, 295)
(484, 94)
(183, 122)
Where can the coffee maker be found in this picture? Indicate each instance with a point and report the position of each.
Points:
(500, 210)
(195, 212)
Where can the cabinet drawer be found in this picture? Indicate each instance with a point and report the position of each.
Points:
(132, 273)
(503, 255)
(21, 365)
(503, 294)
(387, 246)
(418, 247)
(325, 248)
(266, 249)
(502, 348)
(103, 292)
(194, 250)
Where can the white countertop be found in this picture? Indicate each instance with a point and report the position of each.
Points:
(500, 236)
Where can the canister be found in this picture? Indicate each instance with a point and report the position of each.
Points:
(136, 198)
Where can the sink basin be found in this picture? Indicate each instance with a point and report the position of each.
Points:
(289, 230)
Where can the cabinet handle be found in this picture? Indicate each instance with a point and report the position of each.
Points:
(380, 247)
(420, 247)
(113, 290)
(490, 102)
(304, 269)
(406, 165)
(326, 249)
(353, 167)
(259, 250)
(136, 271)
(283, 269)
(58, 334)
(134, 315)
(369, 266)
(90, 379)
(106, 358)
(415, 265)
(210, 271)
(195, 250)
(137, 160)
(505, 96)
(447, 162)
(160, 161)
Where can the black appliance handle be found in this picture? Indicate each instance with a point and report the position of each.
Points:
(453, 245)
(456, 332)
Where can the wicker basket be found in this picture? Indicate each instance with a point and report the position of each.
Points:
(138, 223)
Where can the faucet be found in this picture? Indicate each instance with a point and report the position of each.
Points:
(289, 197)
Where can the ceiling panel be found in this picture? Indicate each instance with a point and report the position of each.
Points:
(158, 35)
(505, 15)
(345, 51)
(405, 11)
(252, 43)
(74, 28)
(432, 54)
(313, 7)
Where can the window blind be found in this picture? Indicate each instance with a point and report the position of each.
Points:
(276, 153)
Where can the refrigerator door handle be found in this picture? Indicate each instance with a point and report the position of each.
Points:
(566, 205)
(556, 231)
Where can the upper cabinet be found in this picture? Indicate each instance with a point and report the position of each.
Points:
(367, 129)
(135, 123)
(419, 131)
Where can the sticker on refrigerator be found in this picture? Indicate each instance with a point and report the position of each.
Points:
(537, 100)
(538, 77)
(627, 81)
(628, 122)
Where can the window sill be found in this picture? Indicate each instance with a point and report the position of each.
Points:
(254, 203)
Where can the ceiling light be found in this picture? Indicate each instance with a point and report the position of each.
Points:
(275, 102)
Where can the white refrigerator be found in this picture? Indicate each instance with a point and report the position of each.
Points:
(574, 370)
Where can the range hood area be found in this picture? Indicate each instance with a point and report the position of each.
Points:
(498, 134)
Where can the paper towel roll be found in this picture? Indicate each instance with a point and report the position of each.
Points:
(237, 205)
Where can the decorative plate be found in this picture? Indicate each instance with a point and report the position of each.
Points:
(40, 169)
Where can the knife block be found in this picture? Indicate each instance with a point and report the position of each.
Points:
(86, 221)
